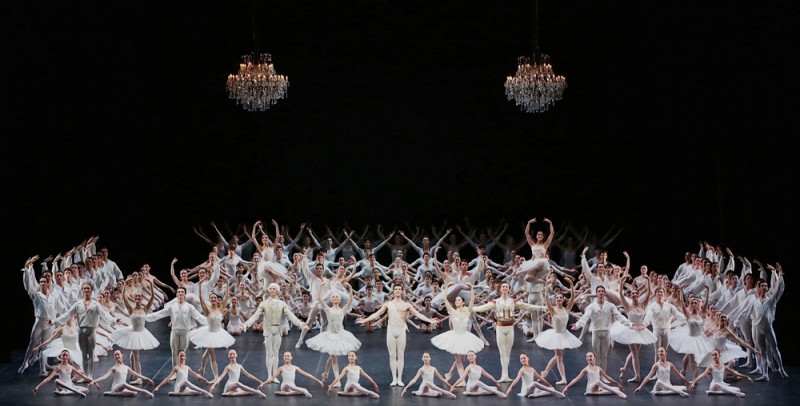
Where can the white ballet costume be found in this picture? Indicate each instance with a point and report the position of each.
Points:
(690, 339)
(352, 386)
(135, 336)
(663, 386)
(728, 350)
(68, 341)
(65, 385)
(212, 335)
(288, 387)
(628, 335)
(234, 321)
(558, 338)
(538, 260)
(185, 388)
(458, 340)
(718, 385)
(474, 385)
(335, 340)
(594, 386)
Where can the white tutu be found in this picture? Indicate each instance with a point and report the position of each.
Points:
(553, 340)
(690, 340)
(627, 335)
(212, 335)
(129, 339)
(730, 352)
(56, 346)
(340, 343)
(457, 342)
(558, 338)
(531, 264)
(135, 336)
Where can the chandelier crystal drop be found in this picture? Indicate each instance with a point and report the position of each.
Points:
(534, 88)
(256, 87)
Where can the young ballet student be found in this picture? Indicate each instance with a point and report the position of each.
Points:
(428, 387)
(120, 385)
(353, 372)
(288, 372)
(234, 371)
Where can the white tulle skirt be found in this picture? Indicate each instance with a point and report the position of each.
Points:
(554, 340)
(338, 344)
(202, 338)
(457, 342)
(129, 339)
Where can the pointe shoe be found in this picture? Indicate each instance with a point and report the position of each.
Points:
(621, 373)
(337, 385)
(447, 376)
(151, 395)
(375, 396)
(210, 396)
(762, 378)
(504, 379)
(562, 382)
(740, 394)
(137, 381)
(462, 385)
(635, 379)
(400, 384)
(324, 376)
(394, 383)
(502, 395)
(623, 396)
(299, 343)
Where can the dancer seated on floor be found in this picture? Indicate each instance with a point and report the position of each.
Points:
(473, 373)
(234, 387)
(717, 371)
(120, 385)
(64, 384)
(661, 370)
(353, 372)
(288, 372)
(594, 376)
(531, 388)
(428, 387)
(183, 387)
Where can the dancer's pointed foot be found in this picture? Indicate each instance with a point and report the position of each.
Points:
(621, 372)
(562, 382)
(635, 379)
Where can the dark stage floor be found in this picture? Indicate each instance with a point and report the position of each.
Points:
(16, 389)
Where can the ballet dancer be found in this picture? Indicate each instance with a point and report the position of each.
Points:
(183, 387)
(594, 380)
(458, 341)
(181, 314)
(44, 312)
(397, 310)
(64, 372)
(120, 385)
(335, 340)
(135, 337)
(717, 371)
(558, 338)
(661, 370)
(234, 387)
(213, 335)
(428, 388)
(273, 309)
(601, 313)
(504, 308)
(636, 335)
(288, 373)
(353, 373)
(473, 373)
(89, 312)
(530, 388)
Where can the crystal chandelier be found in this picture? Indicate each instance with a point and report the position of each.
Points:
(534, 87)
(256, 87)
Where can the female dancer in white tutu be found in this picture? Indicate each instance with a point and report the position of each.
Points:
(458, 341)
(727, 343)
(428, 388)
(635, 335)
(120, 385)
(136, 337)
(473, 373)
(63, 338)
(234, 387)
(353, 373)
(183, 387)
(212, 336)
(594, 380)
(288, 373)
(662, 370)
(64, 372)
(539, 263)
(690, 339)
(717, 370)
(558, 338)
(268, 270)
(335, 340)
(530, 388)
